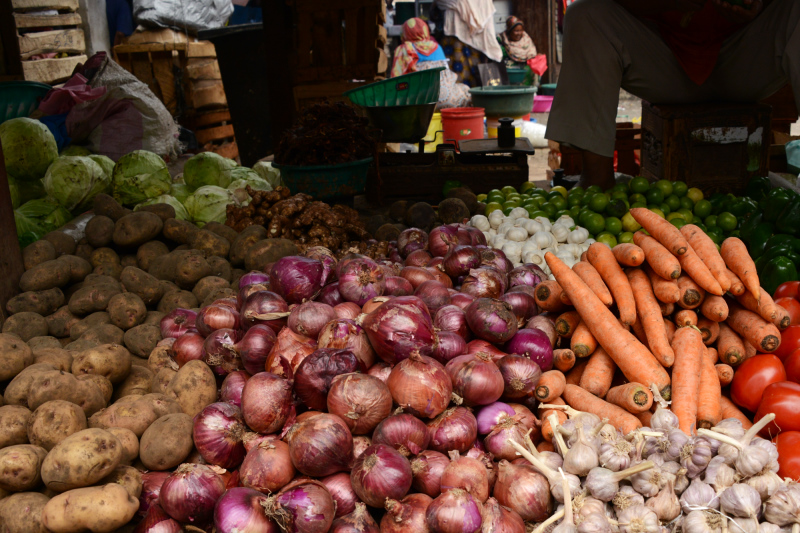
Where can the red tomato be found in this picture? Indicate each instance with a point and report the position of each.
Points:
(788, 444)
(787, 290)
(792, 307)
(792, 366)
(753, 376)
(790, 341)
(783, 399)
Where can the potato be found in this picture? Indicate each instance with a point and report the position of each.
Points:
(194, 387)
(161, 357)
(236, 275)
(162, 380)
(210, 243)
(84, 251)
(42, 343)
(104, 334)
(79, 267)
(220, 267)
(222, 230)
(149, 251)
(96, 509)
(22, 513)
(95, 280)
(220, 294)
(81, 345)
(60, 322)
(191, 269)
(128, 477)
(128, 412)
(38, 252)
(126, 310)
(15, 355)
(161, 404)
(16, 392)
(242, 243)
(99, 230)
(266, 251)
(142, 284)
(142, 339)
(136, 229)
(137, 383)
(163, 267)
(109, 269)
(82, 459)
(103, 385)
(97, 318)
(40, 302)
(105, 205)
(25, 325)
(179, 231)
(167, 442)
(110, 360)
(20, 467)
(128, 260)
(129, 442)
(104, 256)
(63, 243)
(153, 318)
(208, 285)
(14, 425)
(91, 298)
(57, 385)
(58, 357)
(176, 299)
(164, 211)
(54, 421)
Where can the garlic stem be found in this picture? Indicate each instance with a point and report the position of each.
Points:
(641, 467)
(657, 398)
(567, 498)
(557, 437)
(758, 426)
(572, 413)
(531, 446)
(535, 461)
(720, 437)
(598, 428)
(650, 433)
(555, 518)
(795, 528)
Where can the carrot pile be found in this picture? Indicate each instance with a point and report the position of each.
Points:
(670, 315)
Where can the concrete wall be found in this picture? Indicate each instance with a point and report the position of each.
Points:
(95, 26)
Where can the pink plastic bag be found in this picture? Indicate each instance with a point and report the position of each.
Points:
(538, 64)
(75, 91)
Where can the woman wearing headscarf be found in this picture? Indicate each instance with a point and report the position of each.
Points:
(517, 45)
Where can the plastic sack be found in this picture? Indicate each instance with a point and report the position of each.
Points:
(194, 15)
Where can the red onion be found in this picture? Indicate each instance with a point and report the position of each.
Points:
(157, 521)
(491, 415)
(404, 432)
(245, 292)
(231, 389)
(455, 429)
(417, 258)
(527, 274)
(390, 268)
(434, 294)
(449, 346)
(394, 256)
(264, 307)
(491, 320)
(475, 378)
(427, 468)
(498, 519)
(523, 490)
(320, 253)
(291, 347)
(177, 322)
(484, 282)
(214, 317)
(460, 260)
(347, 310)
(498, 441)
(361, 400)
(380, 472)
(266, 402)
(407, 515)
(435, 262)
(532, 343)
(524, 416)
(252, 277)
(478, 346)
(487, 460)
(360, 444)
(188, 347)
(522, 305)
(360, 280)
(468, 474)
(454, 511)
(452, 318)
(421, 386)
(373, 303)
(346, 334)
(416, 275)
(314, 376)
(399, 327)
(476, 236)
(242, 509)
(267, 467)
(321, 445)
(358, 521)
(330, 295)
(545, 324)
(440, 276)
(254, 440)
(397, 286)
(342, 492)
(310, 317)
(189, 494)
(217, 432)
(410, 240)
(220, 351)
(462, 300)
(520, 375)
(303, 506)
(255, 346)
(441, 239)
(306, 415)
(298, 279)
(493, 257)
(151, 490)
(380, 370)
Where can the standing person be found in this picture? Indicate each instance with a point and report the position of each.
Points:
(666, 52)
(119, 14)
(517, 45)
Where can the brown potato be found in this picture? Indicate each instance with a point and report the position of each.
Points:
(58, 357)
(222, 230)
(153, 318)
(54, 421)
(82, 459)
(128, 412)
(126, 310)
(16, 392)
(108, 269)
(20, 467)
(137, 383)
(208, 285)
(98, 509)
(103, 385)
(176, 299)
(57, 385)
(14, 425)
(191, 269)
(142, 340)
(179, 231)
(167, 442)
(91, 298)
(105, 205)
(15, 355)
(79, 267)
(142, 284)
(220, 267)
(110, 360)
(38, 252)
(99, 231)
(161, 404)
(25, 325)
(164, 211)
(162, 380)
(80, 345)
(63, 243)
(210, 243)
(22, 513)
(84, 251)
(242, 243)
(163, 267)
(104, 256)
(46, 275)
(128, 260)
(40, 302)
(268, 251)
(104, 334)
(102, 280)
(161, 357)
(149, 251)
(128, 477)
(129, 442)
(194, 387)
(43, 343)
(220, 294)
(88, 322)
(136, 229)
(60, 322)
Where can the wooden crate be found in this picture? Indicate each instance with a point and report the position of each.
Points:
(310, 94)
(714, 147)
(214, 132)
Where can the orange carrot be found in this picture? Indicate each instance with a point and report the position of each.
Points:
(583, 257)
(641, 334)
(563, 359)
(664, 232)
(582, 341)
(692, 265)
(714, 308)
(650, 316)
(566, 323)
(766, 308)
(659, 258)
(783, 320)
(603, 260)
(666, 309)
(591, 277)
(644, 418)
(709, 410)
(599, 373)
(574, 375)
(737, 287)
(545, 446)
(730, 346)
(634, 360)
(547, 430)
(628, 254)
(738, 259)
(665, 290)
(713, 354)
(583, 400)
(548, 296)
(670, 328)
(724, 373)
(760, 333)
(685, 317)
(633, 397)
(749, 349)
(709, 329)
(550, 386)
(708, 253)
(692, 294)
(564, 299)
(729, 410)
(689, 352)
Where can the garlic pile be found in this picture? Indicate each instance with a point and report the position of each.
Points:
(526, 240)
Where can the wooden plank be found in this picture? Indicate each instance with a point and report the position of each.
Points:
(164, 35)
(10, 62)
(229, 150)
(51, 70)
(51, 41)
(203, 68)
(70, 5)
(11, 259)
(351, 34)
(124, 61)
(143, 70)
(304, 38)
(165, 79)
(199, 120)
(326, 39)
(383, 36)
(201, 49)
(207, 93)
(46, 21)
(214, 134)
(383, 61)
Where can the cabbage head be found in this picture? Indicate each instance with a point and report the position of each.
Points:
(16, 195)
(28, 148)
(105, 162)
(74, 150)
(180, 211)
(74, 181)
(180, 191)
(269, 173)
(138, 176)
(243, 176)
(208, 168)
(38, 217)
(208, 204)
(26, 190)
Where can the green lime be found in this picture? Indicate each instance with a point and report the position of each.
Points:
(735, 233)
(672, 216)
(537, 214)
(574, 211)
(613, 225)
(499, 198)
(538, 199)
(549, 208)
(595, 223)
(527, 186)
(574, 199)
(694, 194)
(715, 234)
(629, 223)
(531, 209)
(607, 238)
(551, 194)
(700, 225)
(508, 189)
(638, 204)
(559, 202)
(633, 198)
(481, 197)
(687, 215)
(679, 188)
(654, 195)
(576, 190)
(710, 221)
(702, 209)
(687, 203)
(511, 203)
(625, 236)
(530, 202)
(617, 207)
(598, 202)
(514, 196)
(665, 208)
(584, 216)
(619, 195)
(492, 206)
(665, 186)
(507, 210)
(561, 213)
(594, 189)
(726, 221)
(639, 184)
(658, 212)
(673, 202)
(560, 190)
(678, 222)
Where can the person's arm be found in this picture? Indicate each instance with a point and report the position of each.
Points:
(644, 8)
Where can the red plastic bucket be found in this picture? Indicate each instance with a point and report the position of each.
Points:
(462, 123)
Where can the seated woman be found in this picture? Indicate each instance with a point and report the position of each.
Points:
(419, 51)
(517, 45)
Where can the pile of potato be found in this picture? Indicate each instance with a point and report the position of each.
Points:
(85, 406)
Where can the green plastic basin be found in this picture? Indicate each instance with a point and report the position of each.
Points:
(326, 181)
(504, 101)
(20, 98)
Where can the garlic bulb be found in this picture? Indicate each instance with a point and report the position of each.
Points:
(677, 440)
(567, 525)
(578, 236)
(772, 452)
(765, 483)
(748, 459)
(743, 525)
(560, 233)
(665, 504)
(481, 222)
(719, 474)
(582, 457)
(783, 507)
(516, 234)
(615, 455)
(603, 483)
(678, 476)
(649, 482)
(584, 505)
(740, 500)
(594, 523)
(702, 522)
(766, 527)
(699, 495)
(496, 218)
(638, 519)
(553, 477)
(695, 456)
(518, 212)
(662, 418)
(626, 497)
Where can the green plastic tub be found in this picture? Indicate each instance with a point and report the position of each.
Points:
(547, 89)
(20, 98)
(516, 76)
(503, 101)
(409, 89)
(326, 181)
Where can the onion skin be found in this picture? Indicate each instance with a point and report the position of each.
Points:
(177, 322)
(214, 317)
(188, 347)
(330, 295)
(321, 445)
(397, 286)
(532, 343)
(523, 490)
(347, 310)
(360, 444)
(314, 376)
(404, 432)
(269, 306)
(478, 346)
(440, 276)
(217, 433)
(410, 240)
(434, 294)
(374, 303)
(346, 334)
(525, 417)
(454, 511)
(267, 468)
(455, 429)
(241, 509)
(253, 277)
(497, 442)
(341, 491)
(484, 282)
(266, 402)
(526, 275)
(309, 318)
(476, 378)
(298, 279)
(416, 276)
(361, 280)
(406, 515)
(460, 260)
(189, 494)
(462, 300)
(452, 318)
(421, 386)
(498, 519)
(440, 240)
(418, 258)
(379, 473)
(545, 324)
(427, 468)
(231, 389)
(523, 306)
(255, 347)
(380, 370)
(303, 506)
(151, 490)
(520, 374)
(449, 346)
(491, 320)
(359, 521)
(361, 400)
(399, 327)
(157, 521)
(292, 347)
(468, 474)
(491, 415)
(220, 351)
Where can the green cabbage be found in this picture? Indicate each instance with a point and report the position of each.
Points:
(27, 189)
(105, 162)
(16, 196)
(208, 168)
(243, 176)
(74, 181)
(28, 148)
(38, 217)
(180, 191)
(208, 204)
(180, 210)
(138, 176)
(269, 173)
(73, 150)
